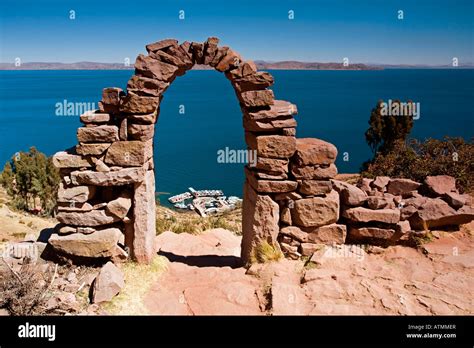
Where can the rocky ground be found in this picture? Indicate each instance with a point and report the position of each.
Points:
(203, 277)
(200, 273)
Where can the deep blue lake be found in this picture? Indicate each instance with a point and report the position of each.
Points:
(333, 105)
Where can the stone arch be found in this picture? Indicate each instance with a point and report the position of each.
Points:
(107, 195)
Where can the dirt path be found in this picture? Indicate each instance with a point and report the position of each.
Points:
(204, 278)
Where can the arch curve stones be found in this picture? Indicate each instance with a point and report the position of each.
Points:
(107, 195)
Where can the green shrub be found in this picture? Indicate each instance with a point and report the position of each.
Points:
(30, 178)
(415, 160)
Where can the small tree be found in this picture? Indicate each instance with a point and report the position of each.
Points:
(29, 177)
(385, 131)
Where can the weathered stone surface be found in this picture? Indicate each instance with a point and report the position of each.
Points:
(328, 234)
(162, 44)
(364, 185)
(272, 165)
(289, 131)
(100, 166)
(311, 151)
(440, 184)
(98, 244)
(314, 187)
(210, 49)
(308, 249)
(92, 149)
(220, 53)
(148, 66)
(253, 82)
(186, 62)
(244, 69)
(63, 159)
(108, 283)
(360, 214)
(268, 125)
(231, 60)
(295, 233)
(371, 233)
(137, 104)
(78, 194)
(141, 132)
(144, 119)
(269, 186)
(280, 108)
(260, 215)
(316, 211)
(313, 172)
(113, 178)
(94, 117)
(64, 229)
(257, 98)
(128, 153)
(111, 98)
(374, 202)
(402, 228)
(99, 134)
(74, 206)
(350, 195)
(437, 213)
(146, 86)
(401, 186)
(90, 218)
(144, 219)
(380, 182)
(168, 58)
(271, 146)
(120, 206)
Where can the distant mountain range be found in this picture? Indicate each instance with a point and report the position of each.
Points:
(261, 64)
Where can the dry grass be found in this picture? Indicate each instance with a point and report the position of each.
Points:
(265, 252)
(190, 222)
(138, 280)
(27, 291)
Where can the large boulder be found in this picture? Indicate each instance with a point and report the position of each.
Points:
(440, 184)
(437, 213)
(271, 146)
(328, 234)
(63, 159)
(350, 195)
(361, 214)
(128, 153)
(313, 172)
(144, 223)
(99, 134)
(402, 186)
(260, 216)
(98, 244)
(76, 194)
(314, 187)
(120, 206)
(108, 283)
(113, 178)
(316, 211)
(364, 233)
(88, 218)
(311, 151)
(278, 109)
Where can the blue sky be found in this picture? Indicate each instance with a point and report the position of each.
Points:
(432, 32)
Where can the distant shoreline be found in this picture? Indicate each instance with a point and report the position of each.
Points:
(261, 65)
